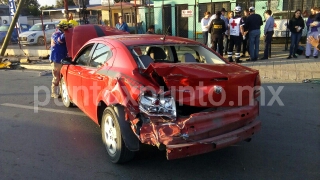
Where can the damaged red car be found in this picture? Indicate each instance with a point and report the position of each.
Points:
(165, 91)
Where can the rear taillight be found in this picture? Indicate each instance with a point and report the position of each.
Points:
(257, 85)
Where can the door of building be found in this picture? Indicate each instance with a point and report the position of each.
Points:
(181, 22)
(167, 19)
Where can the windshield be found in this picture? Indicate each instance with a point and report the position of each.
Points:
(145, 55)
(36, 27)
(4, 28)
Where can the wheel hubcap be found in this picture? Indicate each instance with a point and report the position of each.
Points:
(64, 93)
(110, 135)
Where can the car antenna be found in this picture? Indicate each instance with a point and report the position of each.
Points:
(167, 32)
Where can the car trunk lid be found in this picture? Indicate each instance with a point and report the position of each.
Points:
(205, 85)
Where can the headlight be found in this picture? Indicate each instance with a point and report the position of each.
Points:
(158, 106)
(32, 35)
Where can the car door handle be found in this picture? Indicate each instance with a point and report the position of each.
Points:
(100, 77)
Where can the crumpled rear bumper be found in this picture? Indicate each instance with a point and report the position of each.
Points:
(213, 143)
(203, 132)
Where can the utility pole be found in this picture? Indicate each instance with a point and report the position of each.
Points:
(66, 13)
(10, 30)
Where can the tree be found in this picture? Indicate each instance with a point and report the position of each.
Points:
(60, 3)
(76, 2)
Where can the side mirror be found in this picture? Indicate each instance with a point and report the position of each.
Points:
(66, 61)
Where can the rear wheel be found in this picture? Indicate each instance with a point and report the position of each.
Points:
(40, 41)
(112, 137)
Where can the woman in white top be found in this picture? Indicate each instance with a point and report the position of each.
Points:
(205, 27)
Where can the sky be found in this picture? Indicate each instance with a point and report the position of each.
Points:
(53, 2)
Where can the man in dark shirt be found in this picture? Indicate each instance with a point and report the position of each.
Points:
(245, 42)
(253, 23)
(217, 29)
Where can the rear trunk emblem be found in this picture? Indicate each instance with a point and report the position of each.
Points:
(217, 89)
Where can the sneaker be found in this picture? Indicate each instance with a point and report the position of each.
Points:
(295, 56)
(289, 57)
(307, 57)
(263, 58)
(243, 55)
(315, 57)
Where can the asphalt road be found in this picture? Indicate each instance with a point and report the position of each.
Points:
(61, 143)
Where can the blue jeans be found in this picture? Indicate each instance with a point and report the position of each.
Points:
(254, 41)
(205, 37)
(295, 38)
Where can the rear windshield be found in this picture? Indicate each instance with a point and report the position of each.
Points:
(174, 54)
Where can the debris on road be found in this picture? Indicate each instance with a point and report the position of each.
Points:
(313, 81)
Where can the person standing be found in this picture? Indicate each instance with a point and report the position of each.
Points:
(296, 25)
(268, 33)
(150, 29)
(312, 31)
(58, 52)
(217, 29)
(245, 40)
(235, 31)
(230, 15)
(226, 20)
(254, 21)
(205, 26)
(121, 25)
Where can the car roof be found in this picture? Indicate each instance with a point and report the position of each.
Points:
(147, 39)
(47, 23)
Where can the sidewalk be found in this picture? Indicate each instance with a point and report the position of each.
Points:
(278, 67)
(275, 68)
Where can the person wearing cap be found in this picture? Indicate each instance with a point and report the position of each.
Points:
(235, 32)
(268, 33)
(253, 23)
(57, 53)
(121, 25)
(222, 17)
(217, 29)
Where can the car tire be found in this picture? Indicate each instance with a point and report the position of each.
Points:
(112, 137)
(64, 94)
(40, 41)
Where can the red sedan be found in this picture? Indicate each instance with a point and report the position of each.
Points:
(169, 92)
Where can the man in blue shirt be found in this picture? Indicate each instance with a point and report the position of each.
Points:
(268, 33)
(122, 25)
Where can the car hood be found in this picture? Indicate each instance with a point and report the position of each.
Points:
(27, 33)
(76, 37)
(187, 80)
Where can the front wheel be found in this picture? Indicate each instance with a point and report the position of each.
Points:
(40, 41)
(64, 94)
(112, 138)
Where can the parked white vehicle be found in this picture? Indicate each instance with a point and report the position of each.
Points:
(35, 34)
(281, 19)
